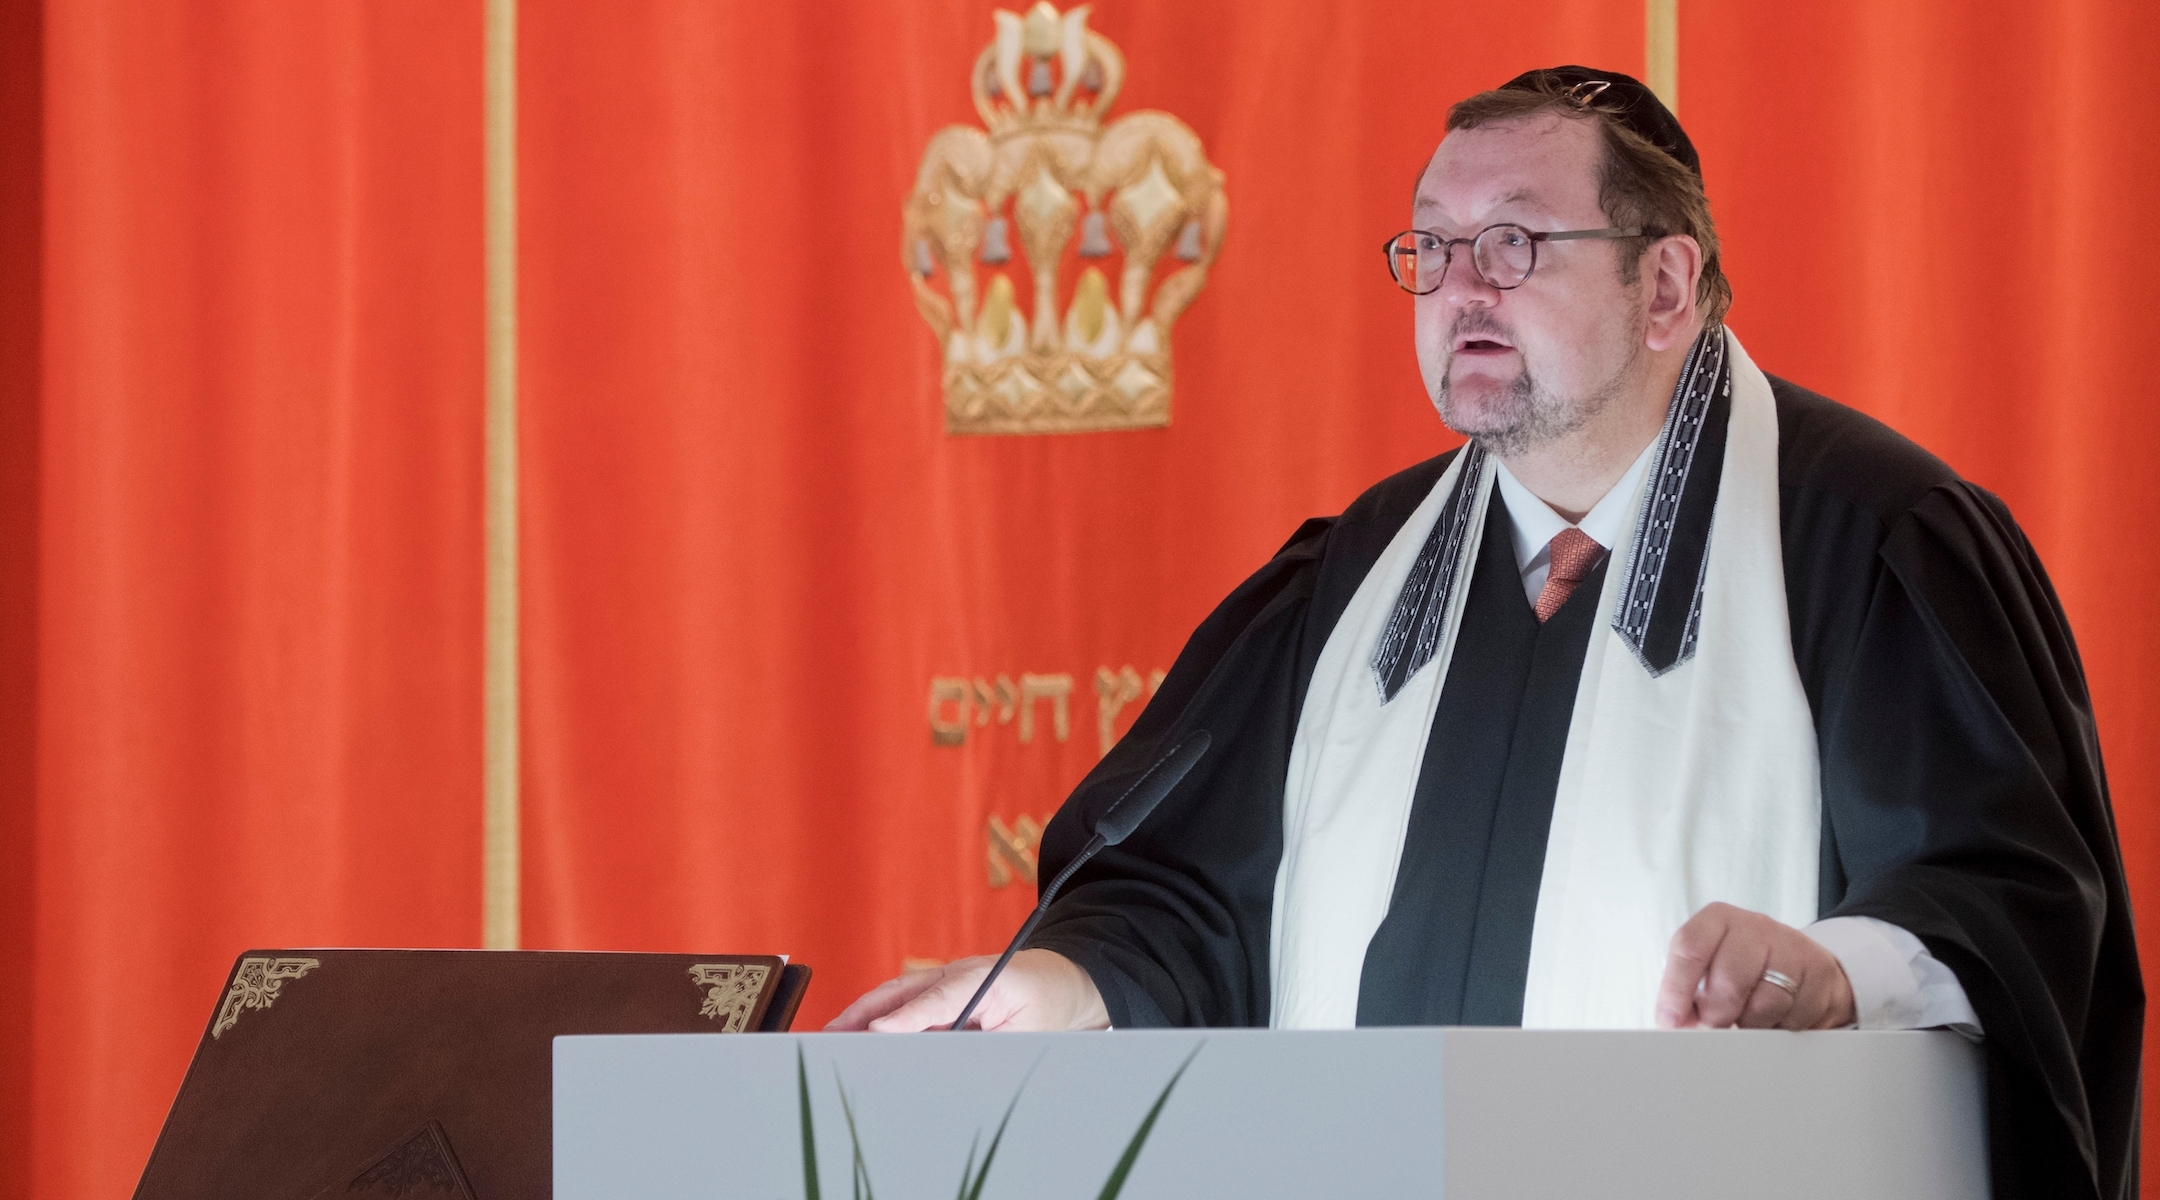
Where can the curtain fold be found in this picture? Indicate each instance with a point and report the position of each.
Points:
(22, 128)
(258, 552)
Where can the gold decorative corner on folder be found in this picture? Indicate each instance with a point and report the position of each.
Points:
(995, 210)
(255, 984)
(732, 991)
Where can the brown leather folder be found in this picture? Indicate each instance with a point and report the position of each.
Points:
(420, 1074)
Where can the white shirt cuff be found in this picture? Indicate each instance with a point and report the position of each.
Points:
(1896, 983)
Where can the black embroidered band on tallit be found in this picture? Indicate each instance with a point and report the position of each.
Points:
(1412, 635)
(1660, 610)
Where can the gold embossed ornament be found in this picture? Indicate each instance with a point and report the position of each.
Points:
(732, 992)
(1050, 253)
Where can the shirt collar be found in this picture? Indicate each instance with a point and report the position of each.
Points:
(1536, 523)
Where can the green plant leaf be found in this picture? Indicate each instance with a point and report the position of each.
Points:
(809, 1129)
(861, 1173)
(1116, 1182)
(968, 1168)
(983, 1176)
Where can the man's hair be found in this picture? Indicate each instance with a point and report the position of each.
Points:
(1638, 183)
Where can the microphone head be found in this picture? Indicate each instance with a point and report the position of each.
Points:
(1140, 799)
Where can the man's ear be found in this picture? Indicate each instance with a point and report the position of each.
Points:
(1674, 268)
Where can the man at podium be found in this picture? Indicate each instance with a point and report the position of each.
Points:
(1679, 696)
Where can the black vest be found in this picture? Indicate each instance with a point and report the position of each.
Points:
(1455, 946)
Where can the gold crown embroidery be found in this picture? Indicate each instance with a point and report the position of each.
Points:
(999, 219)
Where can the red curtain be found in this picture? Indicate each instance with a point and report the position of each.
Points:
(240, 347)
(251, 670)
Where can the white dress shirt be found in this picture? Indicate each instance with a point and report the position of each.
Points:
(1896, 983)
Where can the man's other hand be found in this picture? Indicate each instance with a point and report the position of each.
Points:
(1714, 976)
(1040, 990)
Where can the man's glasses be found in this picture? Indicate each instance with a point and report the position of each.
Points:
(1503, 255)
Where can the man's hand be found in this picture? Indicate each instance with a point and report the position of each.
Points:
(1040, 990)
(1714, 976)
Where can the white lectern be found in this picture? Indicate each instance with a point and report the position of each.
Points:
(1462, 1113)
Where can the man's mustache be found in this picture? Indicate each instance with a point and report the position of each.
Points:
(1477, 325)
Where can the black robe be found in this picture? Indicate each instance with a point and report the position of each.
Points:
(1962, 791)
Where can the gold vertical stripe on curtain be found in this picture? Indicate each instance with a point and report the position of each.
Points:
(1661, 50)
(499, 788)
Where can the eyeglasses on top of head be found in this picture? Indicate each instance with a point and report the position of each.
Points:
(1503, 255)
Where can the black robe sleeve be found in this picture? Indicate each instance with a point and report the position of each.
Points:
(1963, 800)
(1172, 924)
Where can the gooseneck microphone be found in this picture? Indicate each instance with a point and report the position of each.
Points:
(1116, 824)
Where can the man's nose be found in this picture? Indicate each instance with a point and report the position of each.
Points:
(1463, 286)
(1463, 289)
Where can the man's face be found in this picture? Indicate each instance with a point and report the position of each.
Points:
(1519, 369)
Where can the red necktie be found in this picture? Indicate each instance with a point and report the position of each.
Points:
(1574, 554)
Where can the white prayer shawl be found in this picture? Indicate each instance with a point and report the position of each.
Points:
(1682, 784)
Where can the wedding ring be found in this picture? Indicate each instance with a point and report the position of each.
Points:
(1781, 980)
